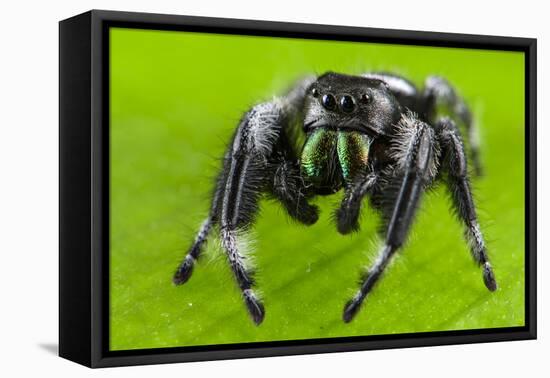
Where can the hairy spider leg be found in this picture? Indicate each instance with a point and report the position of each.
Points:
(257, 163)
(347, 215)
(454, 160)
(438, 91)
(289, 187)
(353, 154)
(259, 160)
(185, 269)
(415, 168)
(243, 179)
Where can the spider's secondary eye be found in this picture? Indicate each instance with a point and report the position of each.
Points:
(329, 102)
(347, 103)
(366, 98)
(315, 92)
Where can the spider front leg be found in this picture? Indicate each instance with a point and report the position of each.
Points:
(415, 168)
(258, 162)
(347, 215)
(252, 167)
(244, 177)
(289, 188)
(359, 179)
(454, 160)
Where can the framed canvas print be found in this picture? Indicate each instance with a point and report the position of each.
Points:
(234, 188)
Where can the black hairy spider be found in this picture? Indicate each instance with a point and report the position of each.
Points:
(374, 135)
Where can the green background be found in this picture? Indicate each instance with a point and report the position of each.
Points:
(176, 97)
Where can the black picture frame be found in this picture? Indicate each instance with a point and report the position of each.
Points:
(84, 187)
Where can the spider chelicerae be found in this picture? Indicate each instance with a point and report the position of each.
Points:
(375, 135)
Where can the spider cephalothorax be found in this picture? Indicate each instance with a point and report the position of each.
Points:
(342, 116)
(373, 135)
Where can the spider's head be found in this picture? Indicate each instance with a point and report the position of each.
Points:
(357, 103)
(342, 115)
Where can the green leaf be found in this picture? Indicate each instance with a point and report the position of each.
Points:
(175, 100)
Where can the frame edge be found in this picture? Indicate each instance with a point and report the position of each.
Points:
(74, 189)
(101, 18)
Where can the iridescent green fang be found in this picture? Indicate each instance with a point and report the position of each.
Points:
(317, 156)
(353, 153)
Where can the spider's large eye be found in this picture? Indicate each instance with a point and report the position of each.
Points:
(347, 103)
(329, 102)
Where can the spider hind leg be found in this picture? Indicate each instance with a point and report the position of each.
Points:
(185, 269)
(438, 91)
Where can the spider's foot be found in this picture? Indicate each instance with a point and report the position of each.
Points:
(352, 307)
(309, 215)
(489, 277)
(184, 271)
(254, 306)
(346, 221)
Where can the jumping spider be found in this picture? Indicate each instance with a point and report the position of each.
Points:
(374, 135)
